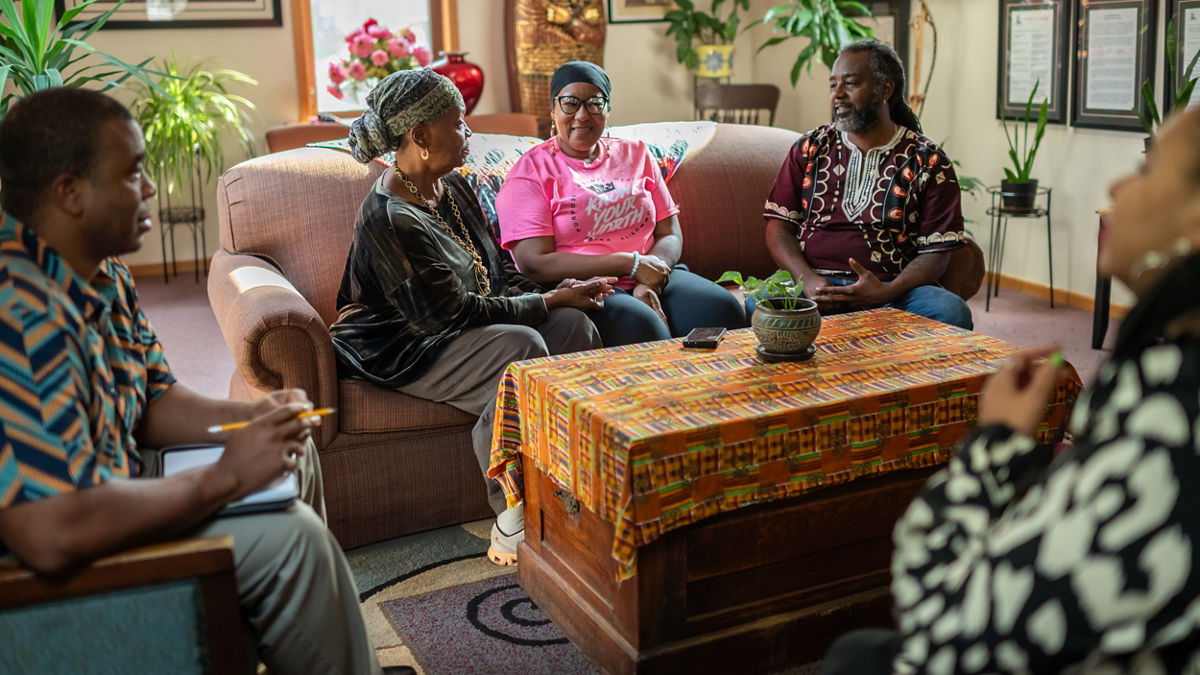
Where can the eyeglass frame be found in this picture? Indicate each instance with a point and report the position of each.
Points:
(584, 103)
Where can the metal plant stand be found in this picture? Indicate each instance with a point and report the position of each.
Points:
(190, 216)
(999, 234)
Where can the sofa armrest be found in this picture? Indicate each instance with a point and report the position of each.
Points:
(276, 338)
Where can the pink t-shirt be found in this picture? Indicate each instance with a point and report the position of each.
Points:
(608, 206)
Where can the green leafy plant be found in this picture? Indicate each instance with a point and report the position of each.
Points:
(691, 25)
(1179, 95)
(829, 25)
(1023, 161)
(38, 53)
(184, 115)
(778, 291)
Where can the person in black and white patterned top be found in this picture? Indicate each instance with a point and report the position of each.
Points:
(1017, 561)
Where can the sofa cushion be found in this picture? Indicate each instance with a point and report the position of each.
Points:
(366, 408)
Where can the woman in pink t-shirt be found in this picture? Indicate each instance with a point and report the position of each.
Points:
(583, 204)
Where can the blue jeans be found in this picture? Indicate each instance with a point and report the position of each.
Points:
(933, 302)
(689, 301)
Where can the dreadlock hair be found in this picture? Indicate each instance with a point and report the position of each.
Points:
(48, 133)
(886, 67)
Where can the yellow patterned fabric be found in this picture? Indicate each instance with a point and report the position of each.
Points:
(651, 437)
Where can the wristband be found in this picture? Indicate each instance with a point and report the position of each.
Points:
(637, 260)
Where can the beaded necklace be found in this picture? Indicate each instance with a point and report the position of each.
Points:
(481, 272)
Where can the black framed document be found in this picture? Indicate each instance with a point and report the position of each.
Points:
(1183, 17)
(1114, 55)
(1033, 50)
(180, 14)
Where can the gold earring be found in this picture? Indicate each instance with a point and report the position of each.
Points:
(425, 154)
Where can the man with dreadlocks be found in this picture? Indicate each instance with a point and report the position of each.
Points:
(866, 210)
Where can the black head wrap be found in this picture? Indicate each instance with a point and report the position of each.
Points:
(580, 71)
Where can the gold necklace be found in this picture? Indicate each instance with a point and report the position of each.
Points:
(481, 272)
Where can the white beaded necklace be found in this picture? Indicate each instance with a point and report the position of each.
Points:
(862, 174)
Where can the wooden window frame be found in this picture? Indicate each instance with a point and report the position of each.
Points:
(443, 29)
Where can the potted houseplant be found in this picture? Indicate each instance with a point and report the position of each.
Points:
(1179, 96)
(784, 321)
(704, 40)
(36, 53)
(183, 118)
(828, 25)
(1018, 191)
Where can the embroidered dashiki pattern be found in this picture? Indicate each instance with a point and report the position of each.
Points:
(881, 208)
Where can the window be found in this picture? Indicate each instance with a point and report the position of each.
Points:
(321, 26)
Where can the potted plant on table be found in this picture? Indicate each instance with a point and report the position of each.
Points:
(828, 25)
(36, 53)
(784, 321)
(1180, 93)
(1018, 191)
(704, 40)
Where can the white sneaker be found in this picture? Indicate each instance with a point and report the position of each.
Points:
(507, 532)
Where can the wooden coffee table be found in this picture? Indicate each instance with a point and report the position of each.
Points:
(705, 511)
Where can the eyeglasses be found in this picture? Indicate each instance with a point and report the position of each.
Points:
(570, 104)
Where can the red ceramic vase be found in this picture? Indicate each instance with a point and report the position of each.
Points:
(465, 75)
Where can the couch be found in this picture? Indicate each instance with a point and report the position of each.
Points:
(394, 464)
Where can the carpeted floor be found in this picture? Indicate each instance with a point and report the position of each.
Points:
(432, 599)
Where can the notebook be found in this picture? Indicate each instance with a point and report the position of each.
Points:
(278, 495)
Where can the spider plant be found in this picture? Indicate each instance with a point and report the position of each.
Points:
(184, 116)
(38, 53)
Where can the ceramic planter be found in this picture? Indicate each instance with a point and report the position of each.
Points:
(714, 60)
(1018, 197)
(787, 331)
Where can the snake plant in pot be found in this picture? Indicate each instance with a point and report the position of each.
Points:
(784, 321)
(1018, 191)
(1179, 92)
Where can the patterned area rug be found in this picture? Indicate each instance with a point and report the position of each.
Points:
(449, 610)
(433, 601)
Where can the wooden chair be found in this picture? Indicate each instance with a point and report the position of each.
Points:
(288, 136)
(737, 103)
(166, 608)
(516, 124)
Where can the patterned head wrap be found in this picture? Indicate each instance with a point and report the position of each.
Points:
(398, 103)
(580, 71)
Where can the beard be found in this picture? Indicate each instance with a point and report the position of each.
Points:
(861, 120)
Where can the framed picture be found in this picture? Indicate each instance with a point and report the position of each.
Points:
(1183, 18)
(889, 20)
(182, 14)
(1114, 55)
(638, 11)
(1033, 52)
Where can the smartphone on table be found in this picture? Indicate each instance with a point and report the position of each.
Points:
(704, 338)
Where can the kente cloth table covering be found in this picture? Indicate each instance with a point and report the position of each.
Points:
(652, 437)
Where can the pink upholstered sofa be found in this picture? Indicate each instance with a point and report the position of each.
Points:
(394, 464)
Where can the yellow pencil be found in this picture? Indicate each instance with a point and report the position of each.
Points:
(219, 428)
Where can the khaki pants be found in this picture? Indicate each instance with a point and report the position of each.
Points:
(294, 586)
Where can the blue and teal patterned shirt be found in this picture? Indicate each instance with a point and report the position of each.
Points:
(79, 363)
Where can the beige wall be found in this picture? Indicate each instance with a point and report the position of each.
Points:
(649, 86)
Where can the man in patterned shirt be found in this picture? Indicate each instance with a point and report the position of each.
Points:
(866, 210)
(86, 387)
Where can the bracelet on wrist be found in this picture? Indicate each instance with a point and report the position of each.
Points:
(637, 260)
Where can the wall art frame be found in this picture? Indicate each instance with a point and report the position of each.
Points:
(638, 11)
(1034, 48)
(158, 14)
(1114, 55)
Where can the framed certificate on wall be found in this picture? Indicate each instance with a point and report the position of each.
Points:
(1183, 20)
(1114, 55)
(1033, 52)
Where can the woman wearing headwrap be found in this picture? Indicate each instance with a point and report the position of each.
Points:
(428, 304)
(581, 204)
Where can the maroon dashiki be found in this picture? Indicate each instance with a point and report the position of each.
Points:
(882, 207)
